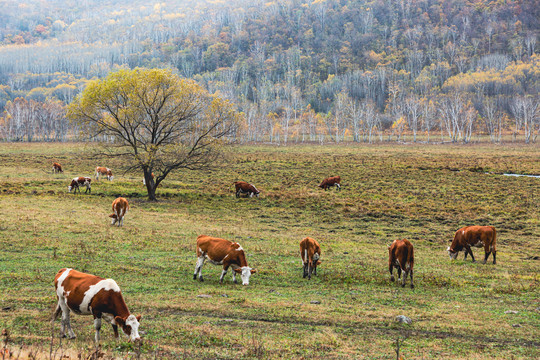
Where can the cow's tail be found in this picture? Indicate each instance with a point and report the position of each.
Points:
(410, 258)
(493, 246)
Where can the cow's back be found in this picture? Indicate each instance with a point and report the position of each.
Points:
(76, 284)
(472, 235)
(402, 251)
(309, 246)
(212, 245)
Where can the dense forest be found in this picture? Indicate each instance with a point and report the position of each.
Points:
(322, 70)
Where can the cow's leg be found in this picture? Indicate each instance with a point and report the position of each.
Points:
(238, 193)
(65, 320)
(468, 248)
(223, 273)
(234, 277)
(115, 330)
(486, 257)
(404, 278)
(305, 270)
(310, 269)
(399, 273)
(97, 326)
(338, 187)
(198, 268)
(122, 221)
(411, 275)
(315, 268)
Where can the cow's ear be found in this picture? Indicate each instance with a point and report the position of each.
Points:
(119, 321)
(253, 271)
(238, 270)
(138, 317)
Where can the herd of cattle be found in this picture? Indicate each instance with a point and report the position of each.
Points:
(87, 294)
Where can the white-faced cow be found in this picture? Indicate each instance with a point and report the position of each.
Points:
(243, 187)
(310, 251)
(103, 171)
(57, 168)
(77, 182)
(401, 256)
(331, 181)
(477, 236)
(222, 252)
(86, 294)
(120, 207)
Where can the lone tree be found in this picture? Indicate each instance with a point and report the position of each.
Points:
(156, 120)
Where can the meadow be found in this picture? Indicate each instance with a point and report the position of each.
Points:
(459, 309)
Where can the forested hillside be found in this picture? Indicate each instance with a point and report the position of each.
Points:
(323, 70)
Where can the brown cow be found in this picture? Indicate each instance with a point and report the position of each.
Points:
(120, 207)
(474, 236)
(331, 181)
(310, 251)
(86, 294)
(57, 168)
(77, 182)
(222, 252)
(401, 256)
(243, 187)
(104, 171)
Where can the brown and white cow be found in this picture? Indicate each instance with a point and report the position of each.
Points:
(222, 252)
(477, 236)
(331, 181)
(105, 172)
(401, 256)
(86, 294)
(243, 187)
(77, 182)
(310, 251)
(120, 206)
(57, 168)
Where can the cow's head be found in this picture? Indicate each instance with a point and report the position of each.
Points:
(245, 272)
(130, 326)
(453, 254)
(71, 186)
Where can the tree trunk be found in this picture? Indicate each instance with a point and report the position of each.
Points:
(150, 185)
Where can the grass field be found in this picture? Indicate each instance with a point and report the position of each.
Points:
(422, 193)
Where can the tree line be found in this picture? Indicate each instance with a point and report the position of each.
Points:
(322, 70)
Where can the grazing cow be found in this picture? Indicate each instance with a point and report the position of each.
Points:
(401, 256)
(474, 236)
(310, 251)
(243, 187)
(77, 182)
(222, 252)
(331, 181)
(57, 168)
(144, 180)
(120, 207)
(104, 171)
(86, 294)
